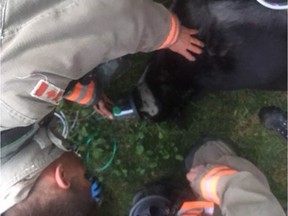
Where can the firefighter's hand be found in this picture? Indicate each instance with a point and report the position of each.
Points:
(194, 172)
(103, 107)
(194, 178)
(186, 44)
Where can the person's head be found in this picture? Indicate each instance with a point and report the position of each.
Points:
(61, 189)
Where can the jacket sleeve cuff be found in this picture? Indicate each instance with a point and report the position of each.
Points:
(208, 181)
(173, 32)
(86, 94)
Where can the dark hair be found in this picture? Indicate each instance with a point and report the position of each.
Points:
(46, 200)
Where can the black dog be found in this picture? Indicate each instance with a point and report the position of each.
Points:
(245, 47)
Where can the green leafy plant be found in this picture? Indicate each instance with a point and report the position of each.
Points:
(148, 151)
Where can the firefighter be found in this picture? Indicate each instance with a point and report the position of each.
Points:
(45, 46)
(217, 175)
(222, 183)
(48, 45)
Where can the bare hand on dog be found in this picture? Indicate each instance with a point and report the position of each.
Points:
(186, 44)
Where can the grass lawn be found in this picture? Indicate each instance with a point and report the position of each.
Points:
(148, 151)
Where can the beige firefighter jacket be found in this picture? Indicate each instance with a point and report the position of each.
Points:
(46, 44)
(236, 185)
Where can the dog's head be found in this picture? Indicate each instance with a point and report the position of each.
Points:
(162, 87)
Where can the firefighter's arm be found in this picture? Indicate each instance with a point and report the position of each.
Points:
(237, 193)
(151, 26)
(87, 91)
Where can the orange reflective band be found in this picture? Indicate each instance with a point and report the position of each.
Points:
(209, 183)
(173, 33)
(196, 208)
(207, 176)
(192, 214)
(177, 32)
(197, 204)
(88, 95)
(75, 92)
(213, 184)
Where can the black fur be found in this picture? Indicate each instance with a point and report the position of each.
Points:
(245, 47)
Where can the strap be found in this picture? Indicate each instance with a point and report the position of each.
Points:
(15, 138)
(12, 135)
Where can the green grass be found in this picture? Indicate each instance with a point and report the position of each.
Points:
(148, 151)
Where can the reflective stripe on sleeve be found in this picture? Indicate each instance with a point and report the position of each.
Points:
(74, 94)
(209, 182)
(196, 208)
(82, 94)
(173, 33)
(88, 94)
